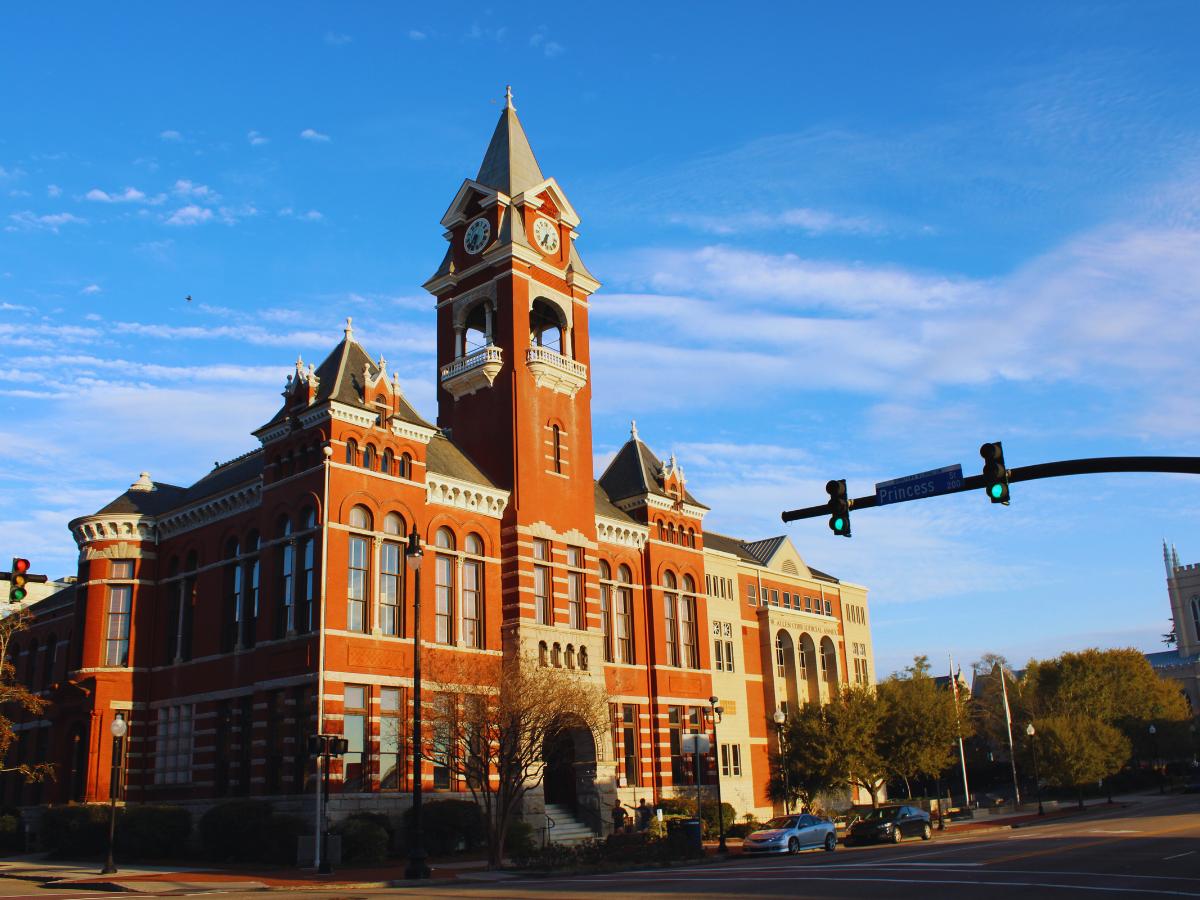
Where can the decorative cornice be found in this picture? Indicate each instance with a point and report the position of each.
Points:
(213, 509)
(266, 436)
(123, 550)
(660, 502)
(345, 413)
(555, 371)
(88, 529)
(447, 491)
(625, 534)
(414, 432)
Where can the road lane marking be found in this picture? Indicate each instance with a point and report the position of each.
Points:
(1080, 846)
(1114, 831)
(1179, 855)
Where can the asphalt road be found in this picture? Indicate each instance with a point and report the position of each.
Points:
(1149, 849)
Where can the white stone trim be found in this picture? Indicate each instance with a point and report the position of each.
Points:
(473, 372)
(352, 414)
(624, 534)
(560, 373)
(447, 491)
(136, 527)
(213, 509)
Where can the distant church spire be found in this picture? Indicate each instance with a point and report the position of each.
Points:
(509, 165)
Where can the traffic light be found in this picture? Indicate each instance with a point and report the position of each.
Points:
(839, 507)
(995, 475)
(17, 579)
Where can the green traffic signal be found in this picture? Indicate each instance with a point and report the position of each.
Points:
(996, 490)
(839, 523)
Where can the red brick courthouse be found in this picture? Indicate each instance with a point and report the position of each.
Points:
(231, 619)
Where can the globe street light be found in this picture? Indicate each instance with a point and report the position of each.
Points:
(780, 718)
(118, 728)
(417, 867)
(718, 714)
(1037, 779)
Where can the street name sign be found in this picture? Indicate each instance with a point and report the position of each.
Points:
(915, 487)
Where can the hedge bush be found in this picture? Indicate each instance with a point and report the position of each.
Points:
(449, 825)
(76, 831)
(685, 807)
(279, 842)
(518, 840)
(153, 832)
(11, 836)
(637, 848)
(235, 830)
(364, 841)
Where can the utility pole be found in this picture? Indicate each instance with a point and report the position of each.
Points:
(962, 757)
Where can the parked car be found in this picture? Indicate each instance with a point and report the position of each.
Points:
(890, 823)
(791, 834)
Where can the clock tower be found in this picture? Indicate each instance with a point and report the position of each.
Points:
(514, 363)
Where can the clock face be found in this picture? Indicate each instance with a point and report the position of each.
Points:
(477, 235)
(545, 233)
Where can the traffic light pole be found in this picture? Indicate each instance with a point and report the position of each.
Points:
(1183, 465)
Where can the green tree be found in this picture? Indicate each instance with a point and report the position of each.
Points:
(855, 717)
(810, 763)
(1078, 749)
(919, 724)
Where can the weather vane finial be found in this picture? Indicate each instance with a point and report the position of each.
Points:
(349, 331)
(508, 104)
(633, 429)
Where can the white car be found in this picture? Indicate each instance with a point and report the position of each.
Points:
(791, 834)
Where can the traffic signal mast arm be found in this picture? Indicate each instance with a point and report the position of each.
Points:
(1185, 465)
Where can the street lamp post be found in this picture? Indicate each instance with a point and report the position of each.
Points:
(1037, 780)
(1154, 755)
(417, 868)
(718, 714)
(779, 719)
(118, 728)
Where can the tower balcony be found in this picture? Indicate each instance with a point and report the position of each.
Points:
(555, 371)
(472, 372)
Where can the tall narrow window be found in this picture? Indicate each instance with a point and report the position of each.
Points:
(351, 453)
(174, 593)
(671, 618)
(675, 743)
(718, 656)
(575, 617)
(285, 622)
(472, 592)
(120, 604)
(187, 609)
(444, 584)
(557, 450)
(606, 612)
(173, 745)
(629, 742)
(368, 457)
(689, 632)
(405, 466)
(354, 730)
(308, 585)
(443, 729)
(780, 656)
(391, 738)
(387, 462)
(356, 585)
(541, 583)
(390, 580)
(625, 615)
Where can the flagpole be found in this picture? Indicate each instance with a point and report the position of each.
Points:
(962, 757)
(1012, 753)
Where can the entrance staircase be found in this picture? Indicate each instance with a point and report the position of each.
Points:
(563, 828)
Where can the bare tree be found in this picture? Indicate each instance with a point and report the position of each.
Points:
(493, 738)
(13, 694)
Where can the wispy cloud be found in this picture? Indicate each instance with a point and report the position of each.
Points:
(334, 39)
(190, 215)
(185, 188)
(310, 134)
(548, 47)
(256, 139)
(803, 219)
(311, 215)
(170, 135)
(128, 195)
(415, 35)
(30, 221)
(53, 190)
(91, 289)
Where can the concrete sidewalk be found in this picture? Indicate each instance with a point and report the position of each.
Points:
(161, 879)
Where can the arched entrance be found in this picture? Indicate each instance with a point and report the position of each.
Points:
(569, 778)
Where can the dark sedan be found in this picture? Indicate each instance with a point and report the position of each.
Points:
(892, 824)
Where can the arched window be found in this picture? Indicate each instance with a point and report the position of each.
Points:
(472, 592)
(368, 457)
(233, 596)
(477, 329)
(393, 523)
(662, 530)
(557, 433)
(570, 656)
(351, 452)
(391, 577)
(671, 618)
(624, 617)
(606, 610)
(405, 466)
(248, 610)
(583, 659)
(306, 589)
(689, 631)
(691, 538)
(285, 620)
(556, 655)
(546, 326)
(386, 464)
(543, 654)
(444, 587)
(360, 517)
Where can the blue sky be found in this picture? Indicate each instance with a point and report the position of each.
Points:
(835, 243)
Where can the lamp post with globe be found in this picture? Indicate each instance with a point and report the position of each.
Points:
(118, 728)
(779, 718)
(1037, 779)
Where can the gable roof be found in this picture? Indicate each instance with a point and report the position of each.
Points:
(758, 552)
(726, 544)
(605, 507)
(509, 165)
(763, 550)
(633, 471)
(445, 458)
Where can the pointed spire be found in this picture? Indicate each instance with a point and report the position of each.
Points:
(509, 164)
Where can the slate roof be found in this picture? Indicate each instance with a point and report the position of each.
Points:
(341, 380)
(764, 549)
(633, 471)
(145, 503)
(509, 165)
(1166, 659)
(444, 458)
(756, 552)
(605, 507)
(726, 544)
